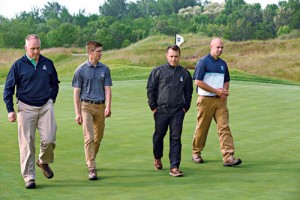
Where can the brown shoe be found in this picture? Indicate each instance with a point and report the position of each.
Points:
(30, 184)
(158, 164)
(176, 172)
(93, 175)
(197, 159)
(233, 162)
(48, 173)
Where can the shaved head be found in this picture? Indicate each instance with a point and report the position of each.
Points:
(216, 47)
(215, 41)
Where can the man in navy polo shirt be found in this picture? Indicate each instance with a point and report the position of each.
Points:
(92, 100)
(36, 80)
(212, 80)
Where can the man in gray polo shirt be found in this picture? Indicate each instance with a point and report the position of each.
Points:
(92, 101)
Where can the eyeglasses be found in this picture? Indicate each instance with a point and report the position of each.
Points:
(98, 51)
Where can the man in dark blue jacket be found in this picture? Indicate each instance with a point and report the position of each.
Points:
(36, 80)
(169, 92)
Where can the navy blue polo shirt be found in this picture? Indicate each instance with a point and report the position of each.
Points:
(213, 72)
(92, 80)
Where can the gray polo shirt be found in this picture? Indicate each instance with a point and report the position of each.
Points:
(92, 80)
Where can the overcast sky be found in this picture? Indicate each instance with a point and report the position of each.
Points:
(9, 8)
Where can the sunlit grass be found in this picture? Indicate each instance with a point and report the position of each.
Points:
(264, 125)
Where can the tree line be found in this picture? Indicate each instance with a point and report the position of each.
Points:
(121, 23)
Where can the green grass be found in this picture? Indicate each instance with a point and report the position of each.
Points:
(265, 125)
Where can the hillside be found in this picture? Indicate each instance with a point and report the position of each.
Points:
(261, 60)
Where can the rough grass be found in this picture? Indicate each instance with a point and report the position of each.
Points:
(275, 59)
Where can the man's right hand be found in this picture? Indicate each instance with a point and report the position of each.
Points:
(12, 116)
(78, 119)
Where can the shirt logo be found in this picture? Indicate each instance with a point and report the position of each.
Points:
(181, 79)
(222, 68)
(44, 67)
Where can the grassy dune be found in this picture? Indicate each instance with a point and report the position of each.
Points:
(264, 61)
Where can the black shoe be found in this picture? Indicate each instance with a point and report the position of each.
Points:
(48, 173)
(234, 162)
(30, 184)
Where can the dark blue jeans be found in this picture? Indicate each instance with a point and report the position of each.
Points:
(174, 122)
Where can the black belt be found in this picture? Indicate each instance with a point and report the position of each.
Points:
(216, 96)
(93, 102)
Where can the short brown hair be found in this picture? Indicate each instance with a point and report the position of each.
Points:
(92, 45)
(174, 48)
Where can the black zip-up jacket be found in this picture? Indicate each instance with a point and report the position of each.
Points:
(35, 85)
(169, 88)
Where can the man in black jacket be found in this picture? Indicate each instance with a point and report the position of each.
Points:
(36, 80)
(169, 91)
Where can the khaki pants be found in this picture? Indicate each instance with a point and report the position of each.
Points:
(93, 129)
(208, 108)
(31, 118)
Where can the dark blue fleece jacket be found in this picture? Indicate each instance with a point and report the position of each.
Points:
(35, 85)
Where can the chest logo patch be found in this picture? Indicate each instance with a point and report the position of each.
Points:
(44, 67)
(222, 68)
(181, 79)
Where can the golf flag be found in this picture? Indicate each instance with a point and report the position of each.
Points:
(178, 40)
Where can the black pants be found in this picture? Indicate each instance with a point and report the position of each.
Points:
(174, 122)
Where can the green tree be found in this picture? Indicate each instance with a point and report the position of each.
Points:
(80, 19)
(213, 30)
(133, 11)
(148, 7)
(15, 30)
(34, 15)
(283, 30)
(119, 32)
(141, 28)
(163, 25)
(114, 8)
(2, 44)
(268, 27)
(65, 35)
(105, 38)
(213, 10)
(233, 5)
(53, 10)
(295, 19)
(198, 23)
(243, 23)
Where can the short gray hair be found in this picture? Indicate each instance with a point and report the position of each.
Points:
(32, 36)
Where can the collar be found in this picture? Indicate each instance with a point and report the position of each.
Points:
(31, 60)
(172, 67)
(212, 58)
(91, 65)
